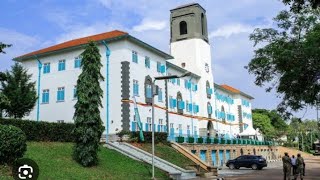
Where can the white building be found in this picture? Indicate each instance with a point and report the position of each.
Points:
(189, 106)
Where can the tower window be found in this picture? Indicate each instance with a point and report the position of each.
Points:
(183, 28)
(202, 24)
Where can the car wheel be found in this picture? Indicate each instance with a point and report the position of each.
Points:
(254, 166)
(231, 166)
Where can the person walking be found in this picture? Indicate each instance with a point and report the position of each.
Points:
(300, 167)
(286, 166)
(293, 163)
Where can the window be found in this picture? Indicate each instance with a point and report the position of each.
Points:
(178, 82)
(60, 121)
(149, 91)
(60, 94)
(209, 108)
(149, 124)
(147, 62)
(208, 90)
(62, 65)
(77, 62)
(135, 88)
(134, 57)
(202, 24)
(46, 68)
(45, 96)
(171, 125)
(183, 28)
(187, 106)
(160, 95)
(158, 67)
(223, 114)
(160, 126)
(180, 126)
(75, 92)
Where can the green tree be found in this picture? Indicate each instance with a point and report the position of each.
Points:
(19, 91)
(287, 59)
(276, 120)
(298, 5)
(87, 119)
(263, 122)
(3, 46)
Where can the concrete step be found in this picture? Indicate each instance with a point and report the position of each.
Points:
(174, 171)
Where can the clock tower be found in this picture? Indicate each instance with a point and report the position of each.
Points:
(189, 42)
(189, 45)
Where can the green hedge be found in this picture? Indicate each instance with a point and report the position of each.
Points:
(159, 137)
(43, 131)
(190, 139)
(200, 140)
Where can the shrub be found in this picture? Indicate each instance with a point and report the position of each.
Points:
(43, 131)
(200, 140)
(180, 139)
(159, 137)
(190, 139)
(12, 144)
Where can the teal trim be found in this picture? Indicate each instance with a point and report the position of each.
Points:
(77, 62)
(108, 53)
(39, 83)
(46, 68)
(60, 94)
(62, 65)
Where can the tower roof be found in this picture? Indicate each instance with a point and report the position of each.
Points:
(188, 5)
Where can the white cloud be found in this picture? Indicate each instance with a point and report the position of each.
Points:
(148, 24)
(231, 29)
(21, 43)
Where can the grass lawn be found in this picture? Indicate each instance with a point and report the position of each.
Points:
(55, 162)
(167, 153)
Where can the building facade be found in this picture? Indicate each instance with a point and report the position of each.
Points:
(189, 106)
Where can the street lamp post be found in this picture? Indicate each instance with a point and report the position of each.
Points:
(153, 94)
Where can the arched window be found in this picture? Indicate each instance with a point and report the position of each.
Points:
(183, 28)
(209, 109)
(202, 24)
(148, 89)
(223, 114)
(208, 90)
(180, 103)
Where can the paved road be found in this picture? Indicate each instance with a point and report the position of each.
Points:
(274, 171)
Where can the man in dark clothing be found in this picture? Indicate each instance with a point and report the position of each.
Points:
(286, 166)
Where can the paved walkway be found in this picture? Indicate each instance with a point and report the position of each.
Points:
(312, 172)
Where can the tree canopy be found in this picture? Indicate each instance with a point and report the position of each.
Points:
(18, 91)
(3, 46)
(288, 58)
(298, 5)
(87, 113)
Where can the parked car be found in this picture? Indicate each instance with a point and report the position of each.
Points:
(248, 161)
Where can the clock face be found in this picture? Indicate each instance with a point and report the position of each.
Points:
(206, 67)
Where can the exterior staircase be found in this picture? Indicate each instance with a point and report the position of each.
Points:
(174, 171)
(194, 158)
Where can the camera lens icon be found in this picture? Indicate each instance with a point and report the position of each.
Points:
(25, 172)
(25, 169)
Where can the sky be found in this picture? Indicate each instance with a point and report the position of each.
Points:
(31, 25)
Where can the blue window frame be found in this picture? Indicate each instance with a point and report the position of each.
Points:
(178, 82)
(134, 57)
(160, 95)
(147, 62)
(60, 94)
(45, 96)
(46, 68)
(74, 92)
(149, 91)
(158, 67)
(181, 104)
(77, 62)
(135, 88)
(62, 65)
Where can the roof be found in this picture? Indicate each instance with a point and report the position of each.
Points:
(188, 5)
(232, 90)
(107, 36)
